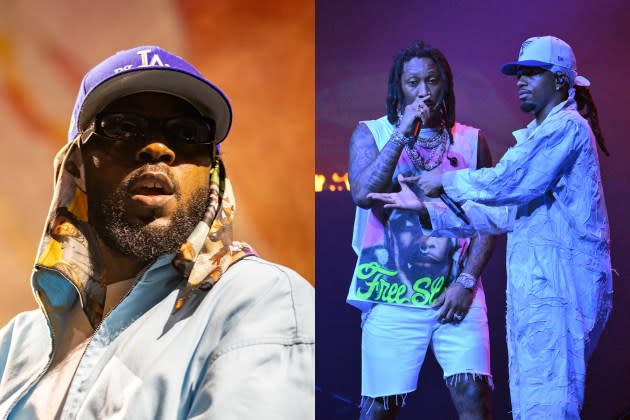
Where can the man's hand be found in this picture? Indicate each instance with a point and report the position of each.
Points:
(417, 109)
(406, 199)
(431, 183)
(455, 303)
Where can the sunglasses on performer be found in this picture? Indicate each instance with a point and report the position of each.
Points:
(128, 126)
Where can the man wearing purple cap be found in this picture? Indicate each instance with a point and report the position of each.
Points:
(148, 308)
(546, 192)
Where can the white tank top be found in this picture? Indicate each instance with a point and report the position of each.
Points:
(397, 264)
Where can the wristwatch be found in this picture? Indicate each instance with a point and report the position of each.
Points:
(467, 280)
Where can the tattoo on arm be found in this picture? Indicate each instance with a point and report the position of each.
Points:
(479, 252)
(370, 170)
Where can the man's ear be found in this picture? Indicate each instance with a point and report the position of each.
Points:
(561, 80)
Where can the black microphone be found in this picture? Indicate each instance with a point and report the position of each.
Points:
(455, 208)
(417, 125)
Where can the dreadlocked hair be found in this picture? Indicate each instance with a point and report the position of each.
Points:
(395, 97)
(586, 107)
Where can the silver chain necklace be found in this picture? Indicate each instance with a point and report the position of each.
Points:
(435, 144)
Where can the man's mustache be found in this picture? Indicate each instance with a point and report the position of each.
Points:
(151, 169)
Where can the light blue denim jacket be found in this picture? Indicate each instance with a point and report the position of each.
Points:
(546, 192)
(242, 350)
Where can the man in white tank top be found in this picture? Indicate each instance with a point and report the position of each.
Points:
(414, 291)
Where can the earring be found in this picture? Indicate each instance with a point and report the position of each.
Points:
(561, 79)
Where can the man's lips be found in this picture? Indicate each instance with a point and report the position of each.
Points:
(152, 189)
(432, 106)
(523, 93)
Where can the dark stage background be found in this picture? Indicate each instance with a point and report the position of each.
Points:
(355, 45)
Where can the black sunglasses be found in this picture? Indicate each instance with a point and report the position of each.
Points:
(128, 126)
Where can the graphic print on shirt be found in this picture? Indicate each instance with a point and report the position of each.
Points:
(397, 264)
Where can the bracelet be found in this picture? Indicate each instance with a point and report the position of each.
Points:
(468, 281)
(400, 140)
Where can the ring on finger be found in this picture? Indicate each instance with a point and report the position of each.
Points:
(458, 317)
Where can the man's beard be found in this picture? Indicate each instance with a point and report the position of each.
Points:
(527, 106)
(143, 241)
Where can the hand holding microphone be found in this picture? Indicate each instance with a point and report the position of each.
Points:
(414, 116)
(431, 185)
(430, 182)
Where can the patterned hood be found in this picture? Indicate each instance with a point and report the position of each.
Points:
(69, 246)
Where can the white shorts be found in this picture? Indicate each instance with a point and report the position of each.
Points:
(395, 341)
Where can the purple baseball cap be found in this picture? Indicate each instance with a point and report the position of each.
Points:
(148, 69)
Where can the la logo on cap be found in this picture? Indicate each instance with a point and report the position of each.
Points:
(155, 59)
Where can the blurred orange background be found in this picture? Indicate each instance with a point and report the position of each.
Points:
(260, 54)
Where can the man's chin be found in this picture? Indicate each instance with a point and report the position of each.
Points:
(143, 243)
(151, 223)
(145, 235)
(148, 238)
(528, 106)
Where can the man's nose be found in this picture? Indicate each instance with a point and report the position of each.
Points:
(423, 90)
(155, 152)
(520, 81)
